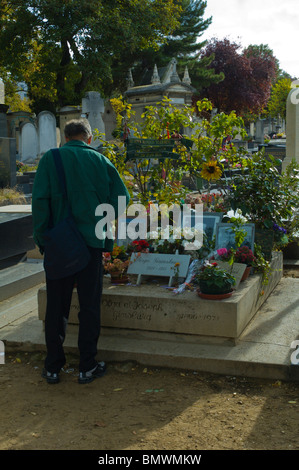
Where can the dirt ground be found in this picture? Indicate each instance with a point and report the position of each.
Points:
(137, 408)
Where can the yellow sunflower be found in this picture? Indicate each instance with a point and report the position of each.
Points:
(211, 171)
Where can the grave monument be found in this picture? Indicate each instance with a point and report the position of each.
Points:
(93, 107)
(292, 128)
(47, 136)
(28, 141)
(7, 147)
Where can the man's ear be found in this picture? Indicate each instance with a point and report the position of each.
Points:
(89, 140)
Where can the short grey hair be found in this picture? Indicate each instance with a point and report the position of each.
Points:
(78, 127)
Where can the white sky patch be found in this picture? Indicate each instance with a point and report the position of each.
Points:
(270, 22)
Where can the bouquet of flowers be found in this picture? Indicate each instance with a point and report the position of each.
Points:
(138, 246)
(117, 260)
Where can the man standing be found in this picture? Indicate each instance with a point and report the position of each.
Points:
(91, 179)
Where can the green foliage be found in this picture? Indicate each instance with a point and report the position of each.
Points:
(261, 265)
(152, 181)
(208, 138)
(69, 46)
(215, 277)
(183, 43)
(265, 195)
(277, 103)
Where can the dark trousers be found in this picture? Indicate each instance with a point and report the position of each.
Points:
(59, 295)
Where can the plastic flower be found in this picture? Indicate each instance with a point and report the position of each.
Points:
(211, 171)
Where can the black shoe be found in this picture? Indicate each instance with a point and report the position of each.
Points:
(52, 377)
(98, 371)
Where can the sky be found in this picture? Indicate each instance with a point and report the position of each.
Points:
(271, 22)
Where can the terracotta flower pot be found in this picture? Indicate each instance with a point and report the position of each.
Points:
(214, 296)
(213, 289)
(119, 278)
(246, 273)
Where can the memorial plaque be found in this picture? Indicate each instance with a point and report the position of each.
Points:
(156, 264)
(237, 270)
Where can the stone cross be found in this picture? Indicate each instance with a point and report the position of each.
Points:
(93, 106)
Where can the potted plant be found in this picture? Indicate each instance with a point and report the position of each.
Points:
(116, 264)
(245, 255)
(118, 270)
(213, 282)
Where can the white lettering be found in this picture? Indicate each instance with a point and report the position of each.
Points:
(295, 94)
(104, 227)
(107, 460)
(139, 222)
(171, 459)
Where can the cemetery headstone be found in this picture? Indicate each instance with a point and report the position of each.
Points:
(93, 107)
(292, 128)
(28, 142)
(47, 136)
(259, 131)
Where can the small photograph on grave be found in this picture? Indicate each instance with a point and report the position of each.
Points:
(210, 223)
(206, 222)
(225, 236)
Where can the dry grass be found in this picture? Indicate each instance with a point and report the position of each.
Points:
(10, 196)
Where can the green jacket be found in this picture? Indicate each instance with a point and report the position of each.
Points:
(91, 180)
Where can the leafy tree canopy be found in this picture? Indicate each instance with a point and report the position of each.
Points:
(184, 44)
(60, 47)
(249, 75)
(277, 103)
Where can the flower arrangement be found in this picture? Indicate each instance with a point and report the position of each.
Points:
(117, 261)
(211, 279)
(138, 246)
(244, 255)
(170, 240)
(117, 266)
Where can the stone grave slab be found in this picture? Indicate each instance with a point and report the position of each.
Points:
(152, 309)
(15, 235)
